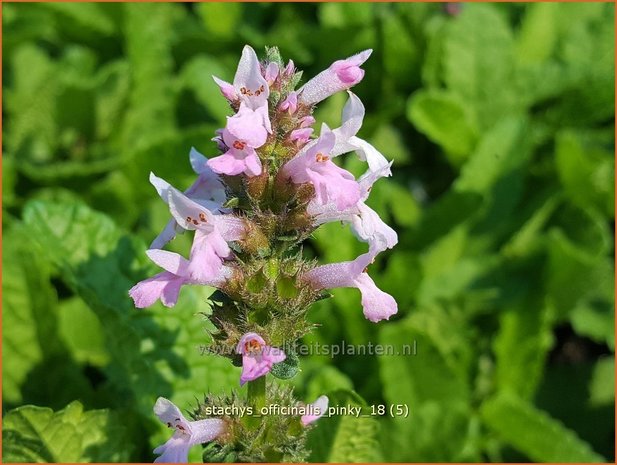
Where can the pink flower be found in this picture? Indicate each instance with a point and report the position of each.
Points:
(341, 75)
(187, 433)
(212, 232)
(301, 136)
(271, 73)
(307, 121)
(346, 140)
(290, 69)
(243, 134)
(207, 190)
(331, 183)
(317, 410)
(166, 285)
(257, 357)
(249, 85)
(290, 104)
(376, 304)
(366, 224)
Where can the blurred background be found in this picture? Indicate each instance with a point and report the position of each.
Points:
(500, 122)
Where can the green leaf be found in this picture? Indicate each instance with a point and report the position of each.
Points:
(534, 433)
(445, 120)
(344, 438)
(401, 50)
(573, 274)
(595, 320)
(602, 386)
(500, 151)
(221, 19)
(586, 172)
(521, 346)
(437, 371)
(82, 333)
(31, 103)
(148, 46)
(432, 434)
(90, 16)
(35, 434)
(152, 352)
(538, 33)
(340, 15)
(28, 308)
(477, 73)
(432, 383)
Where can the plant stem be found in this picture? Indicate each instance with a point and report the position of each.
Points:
(257, 392)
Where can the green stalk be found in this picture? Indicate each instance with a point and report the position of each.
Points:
(257, 393)
(257, 398)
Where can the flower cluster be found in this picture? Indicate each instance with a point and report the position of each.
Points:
(251, 207)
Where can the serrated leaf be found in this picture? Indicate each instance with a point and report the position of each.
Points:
(36, 434)
(148, 45)
(521, 346)
(344, 438)
(478, 73)
(431, 381)
(153, 352)
(28, 308)
(534, 433)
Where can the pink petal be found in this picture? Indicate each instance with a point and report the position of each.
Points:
(175, 450)
(164, 286)
(290, 104)
(247, 126)
(320, 407)
(248, 76)
(376, 304)
(248, 337)
(169, 261)
(272, 72)
(188, 213)
(341, 75)
(206, 430)
(166, 235)
(227, 89)
(369, 227)
(230, 163)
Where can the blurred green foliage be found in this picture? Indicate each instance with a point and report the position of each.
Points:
(500, 119)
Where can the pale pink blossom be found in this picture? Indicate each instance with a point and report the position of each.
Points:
(166, 286)
(257, 357)
(365, 223)
(331, 183)
(212, 232)
(341, 75)
(301, 136)
(317, 410)
(347, 141)
(249, 85)
(290, 104)
(271, 72)
(187, 433)
(207, 190)
(376, 304)
(243, 134)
